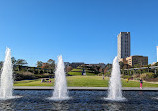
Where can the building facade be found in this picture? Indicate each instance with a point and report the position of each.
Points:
(135, 60)
(123, 45)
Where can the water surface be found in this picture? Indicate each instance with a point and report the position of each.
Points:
(36, 100)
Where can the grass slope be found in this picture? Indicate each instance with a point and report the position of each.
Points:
(78, 72)
(83, 81)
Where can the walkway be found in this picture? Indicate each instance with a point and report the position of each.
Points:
(84, 88)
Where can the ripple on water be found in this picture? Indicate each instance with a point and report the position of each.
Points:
(116, 100)
(59, 99)
(12, 97)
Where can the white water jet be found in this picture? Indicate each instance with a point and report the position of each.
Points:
(115, 86)
(6, 83)
(60, 88)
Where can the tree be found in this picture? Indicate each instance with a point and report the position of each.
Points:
(156, 64)
(109, 66)
(121, 64)
(68, 68)
(21, 62)
(13, 60)
(101, 70)
(105, 70)
(1, 64)
(51, 64)
(39, 64)
(51, 61)
(96, 68)
(137, 65)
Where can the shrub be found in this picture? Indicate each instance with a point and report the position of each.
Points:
(126, 76)
(148, 75)
(143, 76)
(46, 75)
(23, 76)
(136, 76)
(108, 74)
(100, 74)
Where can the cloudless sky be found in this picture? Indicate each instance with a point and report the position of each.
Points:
(80, 30)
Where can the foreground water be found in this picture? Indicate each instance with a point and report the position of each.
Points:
(36, 100)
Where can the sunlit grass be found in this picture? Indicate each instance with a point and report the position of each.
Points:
(83, 81)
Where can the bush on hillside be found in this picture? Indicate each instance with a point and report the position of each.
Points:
(24, 76)
(101, 74)
(20, 75)
(126, 76)
(46, 75)
(108, 74)
(148, 75)
(136, 76)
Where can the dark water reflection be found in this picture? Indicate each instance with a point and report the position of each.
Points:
(36, 100)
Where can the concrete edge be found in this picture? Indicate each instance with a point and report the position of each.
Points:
(84, 88)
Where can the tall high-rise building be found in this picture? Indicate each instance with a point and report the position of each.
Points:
(157, 53)
(123, 45)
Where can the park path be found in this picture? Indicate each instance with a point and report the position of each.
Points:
(144, 81)
(84, 88)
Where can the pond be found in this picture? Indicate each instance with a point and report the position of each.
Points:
(37, 100)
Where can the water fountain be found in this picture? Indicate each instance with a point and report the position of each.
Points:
(60, 88)
(115, 86)
(6, 83)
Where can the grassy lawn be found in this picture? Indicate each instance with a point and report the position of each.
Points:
(80, 73)
(83, 81)
(79, 70)
(75, 73)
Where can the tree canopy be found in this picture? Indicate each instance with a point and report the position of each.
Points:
(21, 62)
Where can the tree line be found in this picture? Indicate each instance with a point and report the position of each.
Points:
(22, 71)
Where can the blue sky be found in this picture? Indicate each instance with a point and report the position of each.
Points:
(80, 30)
